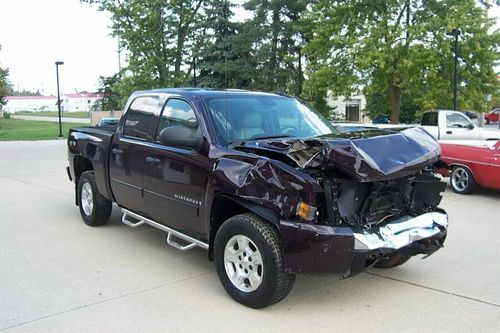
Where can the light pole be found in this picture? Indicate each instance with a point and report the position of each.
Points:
(455, 33)
(59, 97)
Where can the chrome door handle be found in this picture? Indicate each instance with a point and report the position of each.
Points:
(153, 160)
(117, 151)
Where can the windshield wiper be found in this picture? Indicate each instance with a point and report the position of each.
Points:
(271, 137)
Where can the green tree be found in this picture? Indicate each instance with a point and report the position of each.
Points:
(5, 86)
(277, 44)
(395, 47)
(223, 53)
(156, 35)
(115, 90)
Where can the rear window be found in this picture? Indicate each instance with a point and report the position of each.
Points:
(140, 117)
(430, 119)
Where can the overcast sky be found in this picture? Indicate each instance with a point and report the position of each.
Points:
(36, 33)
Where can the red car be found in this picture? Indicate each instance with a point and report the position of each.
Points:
(471, 163)
(492, 116)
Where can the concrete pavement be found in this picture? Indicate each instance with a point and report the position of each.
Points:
(58, 275)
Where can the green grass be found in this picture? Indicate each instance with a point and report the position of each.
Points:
(79, 114)
(26, 130)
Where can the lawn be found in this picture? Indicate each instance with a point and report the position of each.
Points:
(78, 114)
(23, 130)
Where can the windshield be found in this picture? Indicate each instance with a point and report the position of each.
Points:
(243, 118)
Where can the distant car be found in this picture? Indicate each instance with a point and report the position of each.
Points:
(108, 122)
(471, 163)
(492, 116)
(353, 127)
(381, 119)
(471, 114)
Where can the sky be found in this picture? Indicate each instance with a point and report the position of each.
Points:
(34, 34)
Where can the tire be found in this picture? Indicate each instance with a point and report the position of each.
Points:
(487, 120)
(94, 208)
(461, 180)
(249, 261)
(392, 260)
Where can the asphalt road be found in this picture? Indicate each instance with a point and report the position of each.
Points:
(58, 275)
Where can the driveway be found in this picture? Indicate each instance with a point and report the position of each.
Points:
(58, 275)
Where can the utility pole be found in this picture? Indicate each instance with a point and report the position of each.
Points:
(58, 63)
(455, 33)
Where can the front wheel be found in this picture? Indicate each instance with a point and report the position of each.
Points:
(462, 180)
(249, 261)
(487, 121)
(94, 208)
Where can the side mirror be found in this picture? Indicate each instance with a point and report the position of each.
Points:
(471, 126)
(181, 137)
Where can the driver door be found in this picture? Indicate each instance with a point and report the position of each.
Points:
(459, 127)
(176, 177)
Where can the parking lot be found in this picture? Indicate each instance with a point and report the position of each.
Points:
(57, 274)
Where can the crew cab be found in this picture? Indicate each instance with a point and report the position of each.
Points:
(264, 183)
(454, 125)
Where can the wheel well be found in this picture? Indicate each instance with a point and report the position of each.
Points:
(452, 165)
(81, 164)
(225, 207)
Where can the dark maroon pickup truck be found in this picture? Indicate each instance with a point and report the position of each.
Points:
(264, 183)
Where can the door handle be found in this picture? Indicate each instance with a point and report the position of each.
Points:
(117, 151)
(449, 132)
(153, 160)
(496, 156)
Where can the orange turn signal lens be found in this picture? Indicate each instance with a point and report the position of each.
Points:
(305, 211)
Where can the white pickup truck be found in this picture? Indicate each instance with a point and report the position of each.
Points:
(454, 125)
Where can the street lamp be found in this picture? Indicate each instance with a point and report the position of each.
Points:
(455, 33)
(59, 97)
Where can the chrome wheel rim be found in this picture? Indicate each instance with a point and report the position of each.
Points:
(87, 199)
(243, 263)
(460, 179)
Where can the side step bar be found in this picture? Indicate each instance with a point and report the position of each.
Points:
(140, 220)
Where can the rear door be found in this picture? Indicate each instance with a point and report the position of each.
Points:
(129, 150)
(176, 177)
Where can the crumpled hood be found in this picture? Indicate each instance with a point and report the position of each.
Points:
(364, 156)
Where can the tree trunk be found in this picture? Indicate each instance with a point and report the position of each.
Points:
(394, 102)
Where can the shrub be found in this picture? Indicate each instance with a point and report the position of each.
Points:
(6, 115)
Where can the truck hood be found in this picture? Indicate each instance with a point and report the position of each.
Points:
(364, 156)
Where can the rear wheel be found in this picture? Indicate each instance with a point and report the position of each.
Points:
(462, 180)
(392, 260)
(94, 208)
(249, 262)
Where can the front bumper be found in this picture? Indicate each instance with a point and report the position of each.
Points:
(348, 251)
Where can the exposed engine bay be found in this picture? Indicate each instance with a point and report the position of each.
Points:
(370, 203)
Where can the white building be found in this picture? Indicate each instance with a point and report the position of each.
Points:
(30, 103)
(69, 102)
(350, 109)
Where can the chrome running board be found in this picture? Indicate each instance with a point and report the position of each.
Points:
(140, 220)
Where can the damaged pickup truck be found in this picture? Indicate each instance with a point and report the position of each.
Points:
(264, 183)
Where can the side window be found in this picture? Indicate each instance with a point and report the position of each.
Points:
(430, 119)
(178, 113)
(140, 117)
(456, 120)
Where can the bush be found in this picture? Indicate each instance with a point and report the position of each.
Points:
(6, 115)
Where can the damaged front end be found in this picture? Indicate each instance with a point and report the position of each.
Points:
(372, 195)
